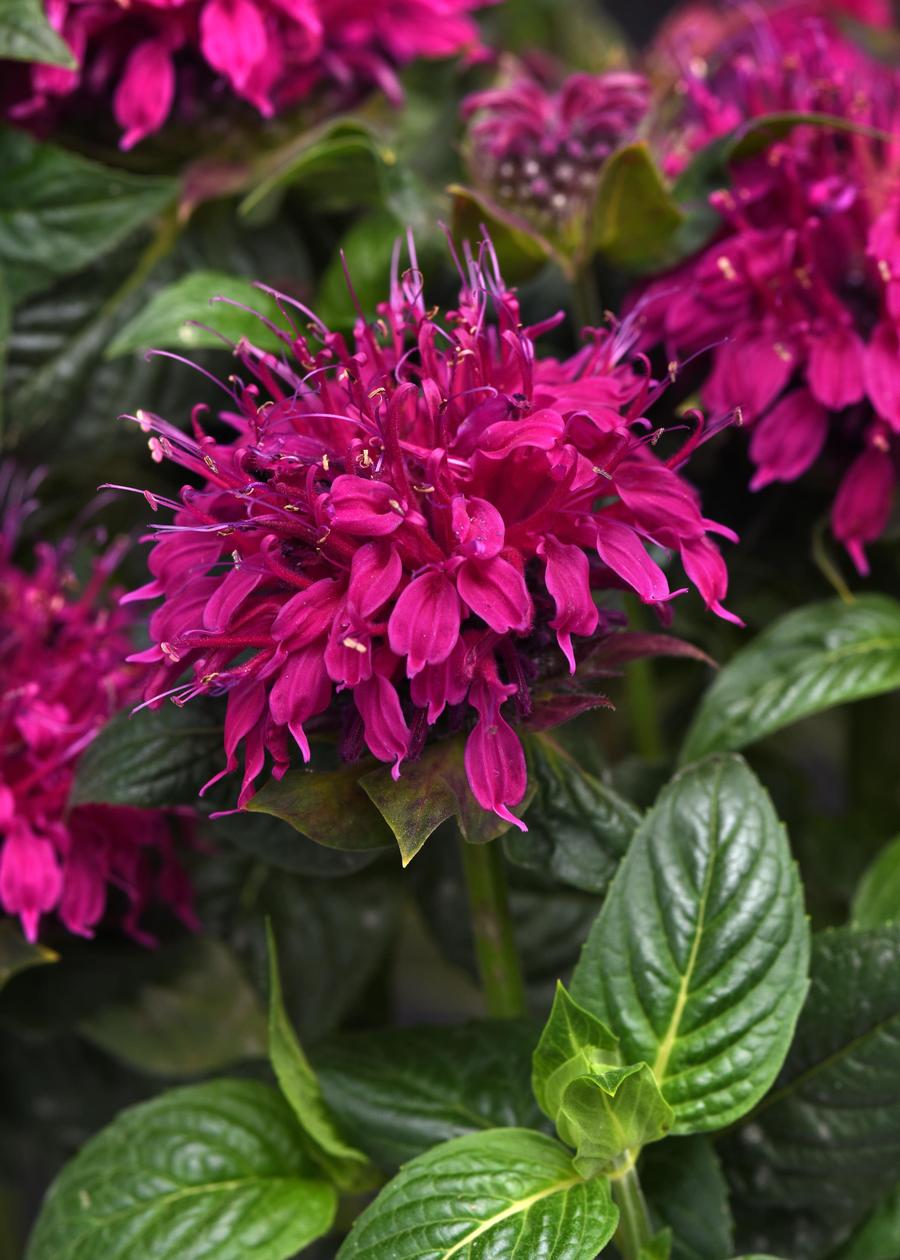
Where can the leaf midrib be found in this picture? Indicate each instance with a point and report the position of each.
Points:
(667, 1044)
(519, 1207)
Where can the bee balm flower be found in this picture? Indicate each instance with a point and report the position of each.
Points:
(61, 677)
(400, 526)
(802, 284)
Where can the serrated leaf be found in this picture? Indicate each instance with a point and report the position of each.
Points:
(812, 659)
(698, 959)
(337, 164)
(825, 1143)
(686, 1190)
(172, 317)
(26, 35)
(59, 212)
(348, 1168)
(635, 216)
(430, 790)
(612, 1112)
(573, 1036)
(399, 1092)
(17, 954)
(220, 1161)
(578, 828)
(877, 899)
(328, 806)
(507, 1192)
(276, 843)
(878, 1237)
(154, 759)
(204, 1017)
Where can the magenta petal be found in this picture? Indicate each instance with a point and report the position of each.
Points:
(621, 550)
(424, 624)
(749, 372)
(30, 878)
(226, 600)
(374, 573)
(788, 438)
(495, 591)
(495, 767)
(145, 92)
(364, 507)
(301, 690)
(233, 39)
(863, 504)
(478, 527)
(83, 896)
(387, 734)
(835, 371)
(705, 567)
(567, 575)
(436, 686)
(883, 374)
(542, 429)
(308, 615)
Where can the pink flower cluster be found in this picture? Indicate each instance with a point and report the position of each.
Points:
(61, 677)
(148, 54)
(401, 525)
(801, 287)
(541, 151)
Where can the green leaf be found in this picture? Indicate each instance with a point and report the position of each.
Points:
(698, 959)
(521, 250)
(571, 1036)
(338, 167)
(635, 215)
(17, 954)
(578, 828)
(218, 1164)
(204, 1017)
(812, 659)
(658, 1248)
(367, 249)
(400, 1092)
(59, 212)
(825, 1143)
(878, 1237)
(348, 1168)
(170, 319)
(276, 843)
(429, 791)
(154, 759)
(686, 1190)
(877, 899)
(328, 806)
(610, 1113)
(26, 35)
(507, 1192)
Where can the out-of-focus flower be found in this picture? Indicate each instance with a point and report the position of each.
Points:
(401, 527)
(149, 54)
(801, 287)
(62, 676)
(539, 152)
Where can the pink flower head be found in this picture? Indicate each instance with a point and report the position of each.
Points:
(61, 678)
(402, 526)
(148, 55)
(540, 151)
(800, 290)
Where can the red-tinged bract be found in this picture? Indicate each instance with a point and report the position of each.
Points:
(800, 289)
(400, 525)
(142, 58)
(62, 676)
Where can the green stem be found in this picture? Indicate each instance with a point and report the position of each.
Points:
(586, 299)
(640, 690)
(495, 947)
(634, 1222)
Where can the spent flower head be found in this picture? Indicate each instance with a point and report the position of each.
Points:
(801, 286)
(399, 527)
(147, 57)
(62, 676)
